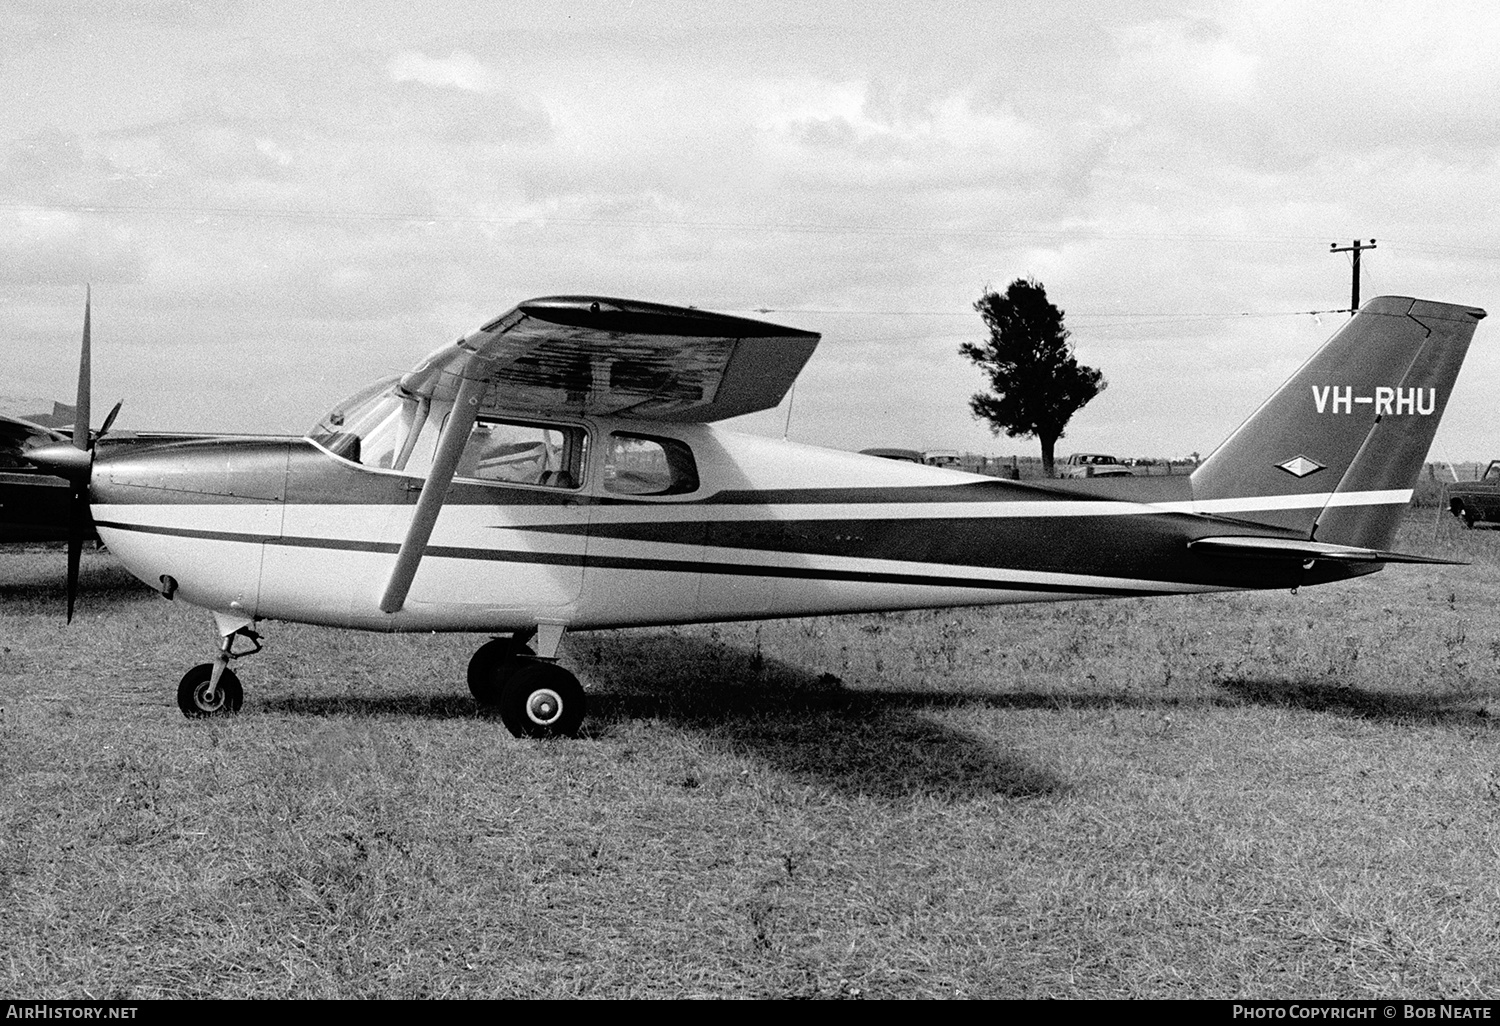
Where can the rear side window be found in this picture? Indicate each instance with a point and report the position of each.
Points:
(644, 465)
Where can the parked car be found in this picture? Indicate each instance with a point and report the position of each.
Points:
(904, 455)
(1092, 464)
(943, 458)
(1476, 502)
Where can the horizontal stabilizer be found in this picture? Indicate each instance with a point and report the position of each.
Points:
(1295, 548)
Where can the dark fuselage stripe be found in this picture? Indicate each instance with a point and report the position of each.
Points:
(637, 563)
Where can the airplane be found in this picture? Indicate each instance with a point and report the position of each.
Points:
(37, 505)
(560, 469)
(34, 505)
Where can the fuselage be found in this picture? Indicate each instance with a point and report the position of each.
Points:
(730, 527)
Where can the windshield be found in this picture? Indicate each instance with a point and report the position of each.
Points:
(379, 426)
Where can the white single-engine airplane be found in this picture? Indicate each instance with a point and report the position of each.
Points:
(558, 470)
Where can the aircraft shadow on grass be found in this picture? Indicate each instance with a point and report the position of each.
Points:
(806, 725)
(1358, 703)
(874, 742)
(39, 586)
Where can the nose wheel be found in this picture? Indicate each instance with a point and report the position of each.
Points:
(197, 699)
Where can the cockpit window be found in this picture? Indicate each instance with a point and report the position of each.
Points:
(379, 426)
(386, 428)
(643, 465)
(548, 455)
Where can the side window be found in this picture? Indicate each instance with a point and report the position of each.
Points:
(530, 454)
(642, 465)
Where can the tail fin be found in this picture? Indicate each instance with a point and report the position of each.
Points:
(1334, 454)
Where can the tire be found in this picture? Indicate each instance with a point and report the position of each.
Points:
(1465, 514)
(228, 698)
(492, 665)
(542, 700)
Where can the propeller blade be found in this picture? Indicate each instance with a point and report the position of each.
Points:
(81, 406)
(104, 428)
(76, 517)
(80, 466)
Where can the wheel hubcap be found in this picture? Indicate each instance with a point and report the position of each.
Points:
(204, 702)
(544, 707)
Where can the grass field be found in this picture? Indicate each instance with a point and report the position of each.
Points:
(1264, 795)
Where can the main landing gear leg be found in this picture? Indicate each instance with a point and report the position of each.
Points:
(213, 689)
(520, 678)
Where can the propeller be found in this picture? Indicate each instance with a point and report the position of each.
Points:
(76, 461)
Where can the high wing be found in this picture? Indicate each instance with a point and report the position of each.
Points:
(592, 355)
(617, 357)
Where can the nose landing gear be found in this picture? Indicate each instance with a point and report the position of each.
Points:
(213, 689)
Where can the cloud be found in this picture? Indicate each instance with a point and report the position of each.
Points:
(1275, 86)
(59, 249)
(459, 71)
(281, 176)
(1189, 58)
(841, 115)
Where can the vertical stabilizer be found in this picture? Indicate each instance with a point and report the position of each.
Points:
(1335, 453)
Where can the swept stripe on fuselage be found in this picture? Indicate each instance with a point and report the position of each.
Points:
(1087, 550)
(770, 563)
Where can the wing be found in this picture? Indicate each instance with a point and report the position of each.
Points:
(17, 436)
(590, 355)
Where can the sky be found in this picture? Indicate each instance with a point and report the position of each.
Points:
(276, 203)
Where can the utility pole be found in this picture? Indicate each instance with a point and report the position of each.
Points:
(1356, 249)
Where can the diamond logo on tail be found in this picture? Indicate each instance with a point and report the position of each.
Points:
(1300, 466)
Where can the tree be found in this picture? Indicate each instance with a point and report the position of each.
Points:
(1036, 383)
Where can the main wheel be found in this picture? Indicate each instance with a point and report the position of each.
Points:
(492, 666)
(542, 700)
(191, 693)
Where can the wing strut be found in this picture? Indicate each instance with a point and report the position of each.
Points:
(430, 502)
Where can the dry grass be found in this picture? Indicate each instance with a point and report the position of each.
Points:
(1248, 795)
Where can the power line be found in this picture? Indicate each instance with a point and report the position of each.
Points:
(804, 227)
(1100, 320)
(622, 222)
(792, 227)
